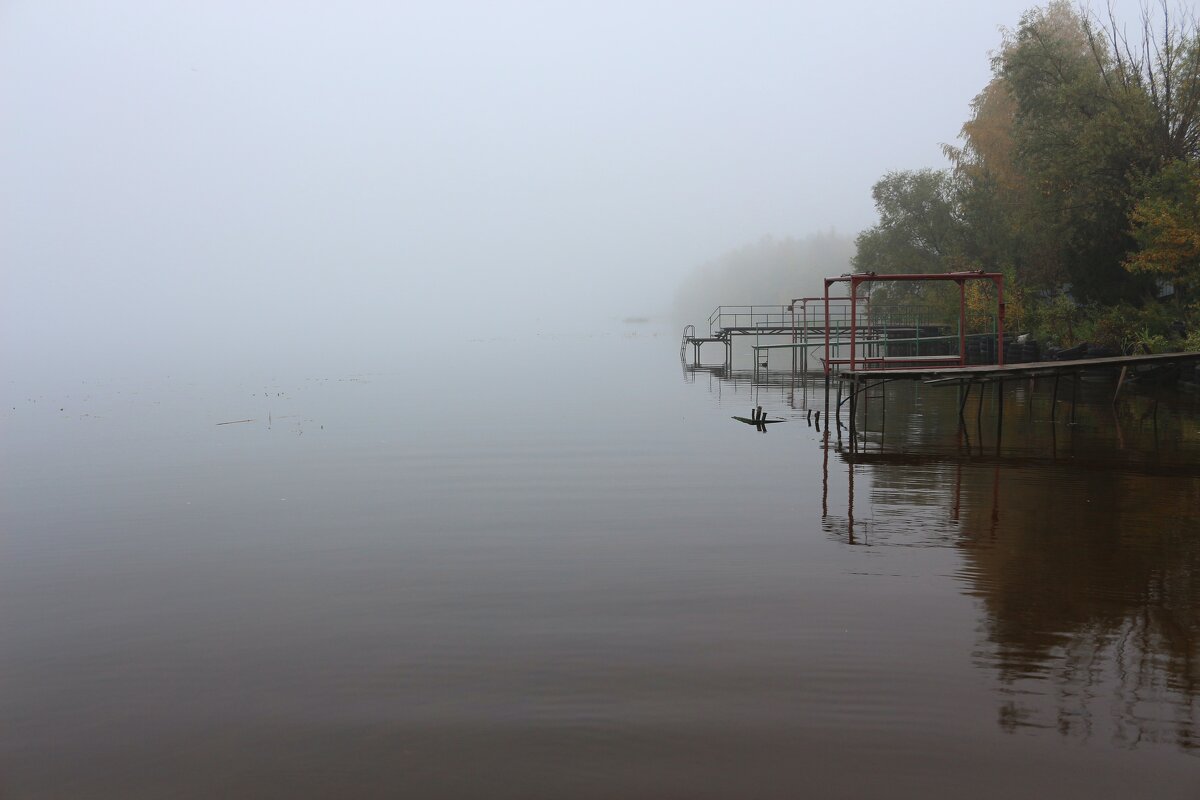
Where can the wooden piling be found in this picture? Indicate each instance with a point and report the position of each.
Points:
(837, 411)
(999, 412)
(853, 407)
(1120, 383)
(1074, 393)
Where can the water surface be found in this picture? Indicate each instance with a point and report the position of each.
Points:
(555, 567)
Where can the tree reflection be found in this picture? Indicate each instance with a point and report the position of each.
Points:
(1080, 541)
(1091, 588)
(1086, 563)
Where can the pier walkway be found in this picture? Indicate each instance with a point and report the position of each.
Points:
(982, 373)
(852, 382)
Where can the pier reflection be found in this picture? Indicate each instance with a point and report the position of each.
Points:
(1079, 542)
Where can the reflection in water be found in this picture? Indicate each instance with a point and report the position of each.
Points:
(758, 419)
(1087, 563)
(1092, 602)
(1090, 583)
(1081, 541)
(623, 596)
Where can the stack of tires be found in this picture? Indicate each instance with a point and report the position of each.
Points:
(1012, 352)
(981, 350)
(1022, 350)
(973, 351)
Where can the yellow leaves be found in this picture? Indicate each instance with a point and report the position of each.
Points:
(981, 308)
(1166, 224)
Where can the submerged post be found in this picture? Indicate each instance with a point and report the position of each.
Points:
(999, 412)
(837, 411)
(1074, 394)
(1120, 383)
(853, 407)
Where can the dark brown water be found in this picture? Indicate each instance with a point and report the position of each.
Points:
(557, 568)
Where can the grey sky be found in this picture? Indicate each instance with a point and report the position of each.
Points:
(195, 176)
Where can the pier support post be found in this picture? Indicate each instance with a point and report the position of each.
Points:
(1120, 383)
(837, 411)
(1054, 399)
(1074, 393)
(853, 409)
(999, 412)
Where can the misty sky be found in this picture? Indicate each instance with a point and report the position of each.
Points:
(217, 177)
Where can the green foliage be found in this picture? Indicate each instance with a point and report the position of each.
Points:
(1079, 166)
(918, 229)
(1126, 327)
(1079, 140)
(1056, 321)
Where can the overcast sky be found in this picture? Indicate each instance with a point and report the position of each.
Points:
(207, 176)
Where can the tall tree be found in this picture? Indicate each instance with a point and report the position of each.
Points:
(918, 230)
(1005, 227)
(1081, 138)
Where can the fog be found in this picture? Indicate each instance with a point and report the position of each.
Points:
(768, 272)
(197, 183)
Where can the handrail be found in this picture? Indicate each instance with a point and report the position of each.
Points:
(783, 316)
(689, 332)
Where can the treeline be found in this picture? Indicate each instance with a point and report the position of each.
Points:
(1077, 176)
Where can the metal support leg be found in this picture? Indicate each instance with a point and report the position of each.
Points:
(1074, 394)
(837, 411)
(1120, 383)
(853, 408)
(999, 413)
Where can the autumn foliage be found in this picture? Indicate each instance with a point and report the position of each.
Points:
(1077, 175)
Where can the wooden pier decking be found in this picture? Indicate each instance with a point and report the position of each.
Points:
(934, 373)
(852, 382)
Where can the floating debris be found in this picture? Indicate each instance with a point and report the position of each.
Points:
(758, 418)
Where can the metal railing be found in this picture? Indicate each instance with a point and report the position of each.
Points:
(812, 315)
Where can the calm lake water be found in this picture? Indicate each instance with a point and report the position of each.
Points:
(557, 568)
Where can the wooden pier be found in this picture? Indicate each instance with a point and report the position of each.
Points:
(867, 345)
(932, 373)
(852, 382)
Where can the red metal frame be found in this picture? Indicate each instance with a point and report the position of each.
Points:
(803, 301)
(960, 278)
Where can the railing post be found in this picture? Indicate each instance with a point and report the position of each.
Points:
(962, 323)
(999, 281)
(853, 319)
